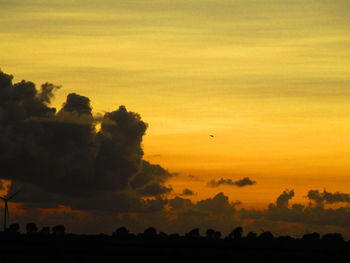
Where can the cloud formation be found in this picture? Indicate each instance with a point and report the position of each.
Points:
(60, 157)
(328, 197)
(187, 192)
(2, 187)
(312, 215)
(283, 199)
(239, 183)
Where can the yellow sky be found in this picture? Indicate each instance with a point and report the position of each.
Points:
(270, 79)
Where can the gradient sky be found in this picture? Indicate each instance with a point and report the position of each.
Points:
(270, 79)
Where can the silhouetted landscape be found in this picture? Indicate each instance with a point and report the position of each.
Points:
(54, 245)
(56, 158)
(174, 131)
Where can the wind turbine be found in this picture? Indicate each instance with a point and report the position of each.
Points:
(6, 208)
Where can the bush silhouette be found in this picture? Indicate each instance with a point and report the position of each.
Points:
(311, 237)
(252, 236)
(45, 230)
(58, 230)
(14, 228)
(150, 233)
(121, 232)
(266, 236)
(193, 234)
(212, 234)
(333, 238)
(31, 228)
(236, 234)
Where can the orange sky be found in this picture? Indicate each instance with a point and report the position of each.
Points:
(270, 79)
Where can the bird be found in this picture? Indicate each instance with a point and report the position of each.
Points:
(211, 135)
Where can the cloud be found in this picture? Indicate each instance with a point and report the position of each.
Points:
(187, 191)
(218, 204)
(239, 183)
(195, 178)
(283, 199)
(150, 180)
(328, 197)
(309, 215)
(216, 212)
(180, 203)
(2, 186)
(61, 159)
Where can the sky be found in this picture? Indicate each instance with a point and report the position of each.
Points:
(269, 79)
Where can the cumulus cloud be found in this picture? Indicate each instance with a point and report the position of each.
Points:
(218, 204)
(309, 215)
(187, 192)
(283, 199)
(217, 212)
(328, 197)
(61, 159)
(150, 180)
(180, 203)
(239, 183)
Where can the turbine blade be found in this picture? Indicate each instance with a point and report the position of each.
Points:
(13, 195)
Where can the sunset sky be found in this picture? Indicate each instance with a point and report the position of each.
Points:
(269, 79)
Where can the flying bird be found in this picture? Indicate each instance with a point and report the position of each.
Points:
(211, 135)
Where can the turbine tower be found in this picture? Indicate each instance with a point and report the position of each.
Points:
(6, 208)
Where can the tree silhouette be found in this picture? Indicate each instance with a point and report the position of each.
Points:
(236, 234)
(252, 236)
(14, 228)
(212, 234)
(266, 236)
(311, 237)
(121, 232)
(333, 238)
(58, 230)
(193, 234)
(45, 230)
(31, 228)
(150, 233)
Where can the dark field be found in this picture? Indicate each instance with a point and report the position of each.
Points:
(168, 248)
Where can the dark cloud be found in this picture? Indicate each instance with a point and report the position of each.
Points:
(218, 204)
(216, 212)
(195, 178)
(180, 203)
(328, 197)
(181, 215)
(2, 187)
(239, 183)
(150, 180)
(168, 215)
(283, 199)
(187, 192)
(78, 104)
(153, 189)
(61, 159)
(308, 215)
(58, 157)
